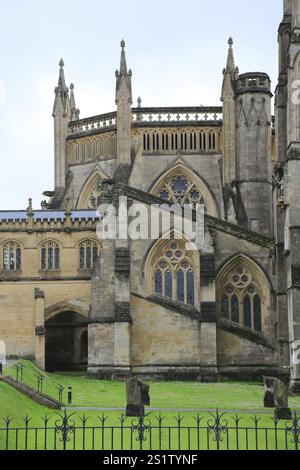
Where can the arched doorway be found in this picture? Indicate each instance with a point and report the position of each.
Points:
(66, 342)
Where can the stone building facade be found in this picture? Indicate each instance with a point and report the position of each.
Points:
(71, 300)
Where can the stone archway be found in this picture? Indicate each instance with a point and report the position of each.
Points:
(66, 342)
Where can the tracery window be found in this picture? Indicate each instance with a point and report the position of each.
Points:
(241, 300)
(50, 256)
(174, 274)
(94, 198)
(88, 254)
(180, 190)
(12, 257)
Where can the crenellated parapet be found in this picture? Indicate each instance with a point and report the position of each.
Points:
(254, 82)
(48, 221)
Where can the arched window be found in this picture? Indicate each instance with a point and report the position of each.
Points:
(12, 256)
(180, 190)
(174, 275)
(241, 300)
(180, 185)
(91, 192)
(50, 256)
(88, 253)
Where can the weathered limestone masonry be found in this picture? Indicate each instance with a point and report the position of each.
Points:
(153, 307)
(31, 296)
(288, 218)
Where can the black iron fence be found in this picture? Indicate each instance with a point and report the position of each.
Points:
(218, 432)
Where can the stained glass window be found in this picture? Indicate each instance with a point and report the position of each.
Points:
(257, 313)
(50, 256)
(158, 282)
(168, 284)
(81, 257)
(18, 258)
(180, 190)
(12, 257)
(235, 309)
(225, 307)
(88, 258)
(88, 254)
(180, 286)
(57, 258)
(174, 275)
(247, 312)
(95, 254)
(190, 288)
(241, 301)
(43, 258)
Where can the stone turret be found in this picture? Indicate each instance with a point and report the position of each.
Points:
(253, 150)
(124, 117)
(61, 115)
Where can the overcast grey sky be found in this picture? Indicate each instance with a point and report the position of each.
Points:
(176, 49)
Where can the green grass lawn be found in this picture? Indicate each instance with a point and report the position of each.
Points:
(169, 395)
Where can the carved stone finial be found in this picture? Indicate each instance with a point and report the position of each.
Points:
(139, 102)
(72, 86)
(230, 41)
(29, 209)
(61, 63)
(68, 206)
(123, 44)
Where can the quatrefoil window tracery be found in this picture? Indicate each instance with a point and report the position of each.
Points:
(241, 300)
(181, 190)
(174, 275)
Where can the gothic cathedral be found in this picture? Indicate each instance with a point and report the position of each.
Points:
(70, 300)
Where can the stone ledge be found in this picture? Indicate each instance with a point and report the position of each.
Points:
(190, 312)
(237, 330)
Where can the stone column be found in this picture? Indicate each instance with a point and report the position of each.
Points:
(292, 193)
(110, 320)
(101, 325)
(39, 328)
(122, 332)
(208, 336)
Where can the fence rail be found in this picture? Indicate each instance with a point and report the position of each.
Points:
(219, 432)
